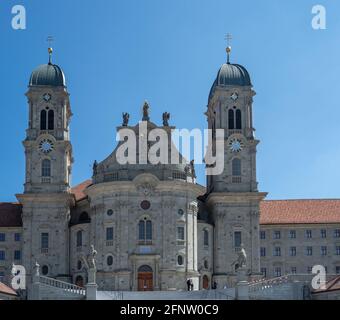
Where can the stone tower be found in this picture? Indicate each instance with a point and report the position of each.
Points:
(232, 197)
(46, 199)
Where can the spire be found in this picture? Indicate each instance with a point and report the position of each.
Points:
(50, 50)
(228, 37)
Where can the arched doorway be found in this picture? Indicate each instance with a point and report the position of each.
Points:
(80, 281)
(145, 278)
(205, 282)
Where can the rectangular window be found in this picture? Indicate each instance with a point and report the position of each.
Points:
(17, 255)
(237, 239)
(263, 252)
(205, 238)
(17, 237)
(323, 233)
(277, 251)
(277, 272)
(324, 251)
(337, 269)
(292, 251)
(44, 240)
(262, 235)
(2, 255)
(308, 234)
(180, 233)
(337, 250)
(109, 234)
(264, 272)
(2, 237)
(2, 276)
(309, 269)
(337, 233)
(293, 270)
(309, 251)
(148, 230)
(277, 235)
(292, 234)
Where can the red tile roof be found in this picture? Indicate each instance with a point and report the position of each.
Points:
(78, 190)
(300, 211)
(10, 214)
(7, 290)
(331, 285)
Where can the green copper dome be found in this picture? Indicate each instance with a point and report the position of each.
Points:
(47, 75)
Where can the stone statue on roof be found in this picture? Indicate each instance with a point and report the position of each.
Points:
(146, 112)
(166, 118)
(126, 117)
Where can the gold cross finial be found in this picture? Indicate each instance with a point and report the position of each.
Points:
(50, 50)
(228, 37)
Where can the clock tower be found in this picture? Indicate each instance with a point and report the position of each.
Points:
(233, 197)
(46, 199)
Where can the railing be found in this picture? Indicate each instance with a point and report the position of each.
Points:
(263, 284)
(46, 180)
(234, 131)
(115, 295)
(69, 287)
(109, 243)
(236, 179)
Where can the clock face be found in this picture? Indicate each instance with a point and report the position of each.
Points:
(234, 96)
(235, 145)
(47, 97)
(46, 145)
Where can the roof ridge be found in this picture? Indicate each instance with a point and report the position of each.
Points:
(301, 199)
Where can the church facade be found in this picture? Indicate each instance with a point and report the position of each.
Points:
(152, 225)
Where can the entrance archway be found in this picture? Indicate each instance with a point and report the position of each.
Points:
(80, 281)
(205, 282)
(145, 278)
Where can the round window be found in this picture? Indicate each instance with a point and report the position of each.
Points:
(180, 212)
(109, 260)
(44, 270)
(109, 212)
(180, 260)
(145, 205)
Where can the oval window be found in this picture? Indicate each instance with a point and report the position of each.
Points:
(109, 212)
(180, 260)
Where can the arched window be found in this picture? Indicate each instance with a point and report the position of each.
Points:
(46, 168)
(236, 167)
(43, 117)
(44, 270)
(79, 238)
(109, 260)
(238, 119)
(231, 119)
(145, 230)
(180, 260)
(79, 281)
(206, 237)
(50, 120)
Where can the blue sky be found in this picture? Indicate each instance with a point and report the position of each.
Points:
(116, 54)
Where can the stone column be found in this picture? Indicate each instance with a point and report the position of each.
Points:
(91, 287)
(242, 286)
